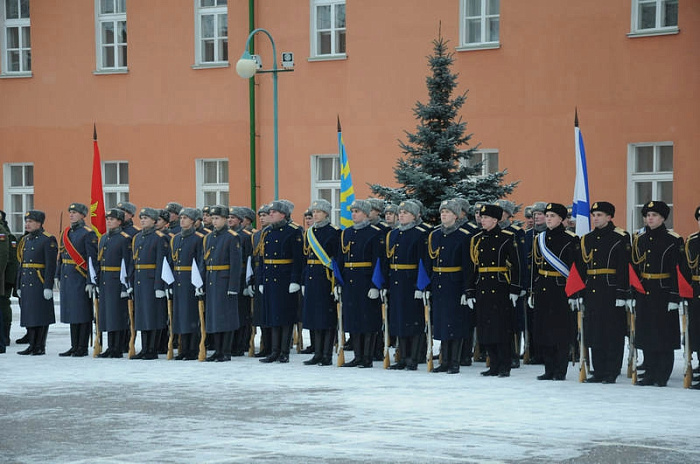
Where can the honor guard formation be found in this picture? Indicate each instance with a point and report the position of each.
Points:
(197, 284)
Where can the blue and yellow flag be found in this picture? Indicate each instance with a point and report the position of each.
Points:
(347, 193)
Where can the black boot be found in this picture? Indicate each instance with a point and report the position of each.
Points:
(30, 338)
(445, 351)
(286, 341)
(312, 345)
(117, 352)
(357, 346)
(317, 348)
(84, 330)
(455, 356)
(265, 342)
(275, 345)
(368, 351)
(403, 361)
(152, 351)
(184, 347)
(215, 342)
(144, 346)
(40, 342)
(73, 341)
(415, 349)
(328, 340)
(24, 340)
(226, 344)
(110, 346)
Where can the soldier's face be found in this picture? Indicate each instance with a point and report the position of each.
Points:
(529, 222)
(74, 216)
(405, 217)
(275, 216)
(390, 217)
(358, 216)
(373, 214)
(206, 219)
(218, 221)
(654, 219)
(538, 217)
(318, 215)
(147, 222)
(488, 223)
(447, 217)
(113, 223)
(264, 219)
(186, 222)
(233, 221)
(30, 225)
(600, 219)
(552, 220)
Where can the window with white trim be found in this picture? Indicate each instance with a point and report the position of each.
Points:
(16, 41)
(328, 28)
(654, 16)
(486, 160)
(650, 167)
(480, 23)
(212, 182)
(211, 32)
(325, 182)
(110, 35)
(115, 175)
(19, 194)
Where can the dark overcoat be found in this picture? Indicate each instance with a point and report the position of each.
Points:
(37, 252)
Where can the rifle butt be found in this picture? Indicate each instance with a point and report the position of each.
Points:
(582, 376)
(170, 326)
(629, 370)
(341, 355)
(634, 377)
(386, 360)
(687, 378)
(202, 341)
(251, 346)
(97, 346)
(430, 364)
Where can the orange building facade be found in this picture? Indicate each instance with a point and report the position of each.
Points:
(173, 118)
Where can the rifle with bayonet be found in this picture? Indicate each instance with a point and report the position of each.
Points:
(688, 376)
(632, 360)
(583, 372)
(428, 335)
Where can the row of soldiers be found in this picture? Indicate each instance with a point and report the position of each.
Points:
(471, 273)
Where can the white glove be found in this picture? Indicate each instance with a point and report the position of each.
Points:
(514, 299)
(48, 294)
(373, 293)
(383, 295)
(426, 297)
(260, 289)
(336, 292)
(123, 295)
(97, 290)
(19, 293)
(293, 288)
(671, 305)
(418, 295)
(169, 291)
(470, 302)
(248, 291)
(303, 290)
(522, 293)
(90, 290)
(129, 291)
(57, 284)
(572, 304)
(531, 301)
(619, 303)
(230, 293)
(199, 291)
(681, 308)
(160, 293)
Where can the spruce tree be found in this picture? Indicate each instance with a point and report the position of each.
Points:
(435, 164)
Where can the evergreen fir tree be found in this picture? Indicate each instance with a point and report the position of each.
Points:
(435, 166)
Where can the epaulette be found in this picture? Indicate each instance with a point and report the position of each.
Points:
(124, 234)
(571, 233)
(294, 225)
(89, 229)
(335, 227)
(515, 227)
(160, 234)
(199, 234)
(247, 232)
(620, 231)
(232, 233)
(47, 234)
(420, 228)
(673, 234)
(376, 228)
(509, 232)
(694, 235)
(464, 231)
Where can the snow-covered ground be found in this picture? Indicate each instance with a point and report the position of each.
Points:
(118, 410)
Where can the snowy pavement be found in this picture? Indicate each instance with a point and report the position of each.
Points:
(85, 410)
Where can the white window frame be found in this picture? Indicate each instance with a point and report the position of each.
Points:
(327, 184)
(15, 217)
(656, 176)
(220, 188)
(219, 9)
(484, 43)
(115, 19)
(23, 25)
(334, 54)
(120, 189)
(487, 156)
(658, 29)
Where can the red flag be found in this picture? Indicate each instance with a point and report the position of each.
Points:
(634, 280)
(684, 288)
(97, 205)
(574, 283)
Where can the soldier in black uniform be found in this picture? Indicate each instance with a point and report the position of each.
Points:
(37, 254)
(319, 310)
(255, 281)
(173, 209)
(656, 254)
(470, 228)
(606, 254)
(206, 218)
(241, 337)
(537, 211)
(360, 248)
(283, 259)
(113, 253)
(494, 287)
(391, 215)
(555, 251)
(78, 249)
(186, 248)
(692, 270)
(131, 229)
(8, 279)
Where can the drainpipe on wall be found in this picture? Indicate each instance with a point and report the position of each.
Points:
(251, 99)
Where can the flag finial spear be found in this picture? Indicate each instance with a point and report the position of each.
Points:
(94, 131)
(575, 116)
(339, 130)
